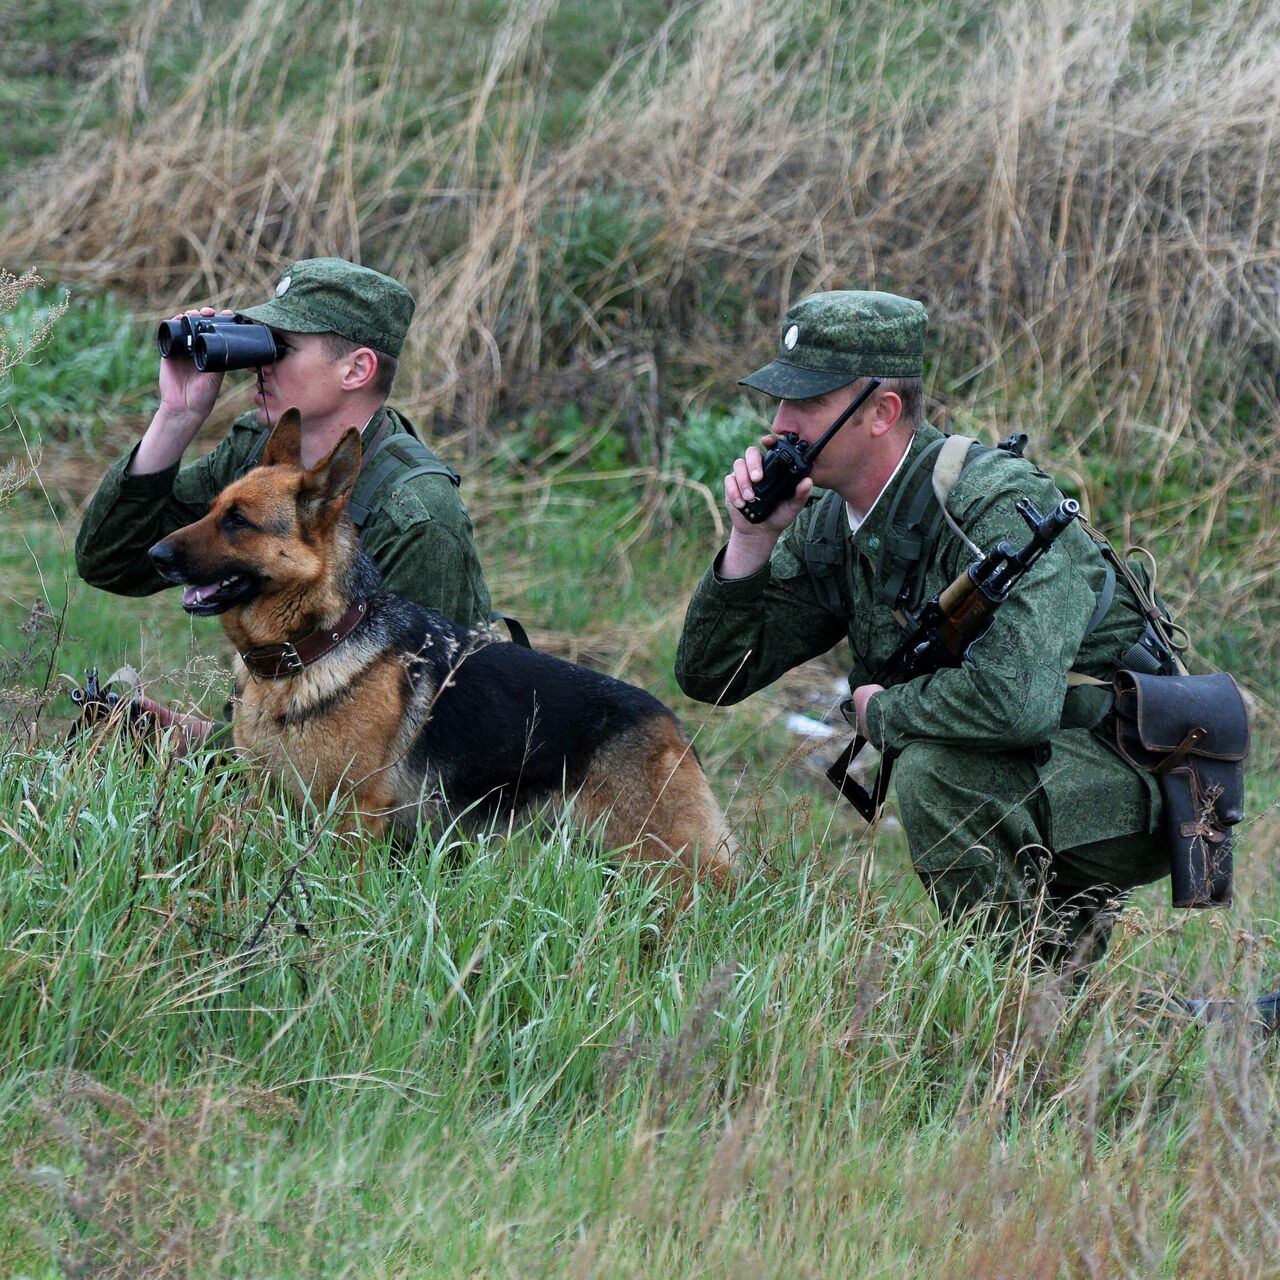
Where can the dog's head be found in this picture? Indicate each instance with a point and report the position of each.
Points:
(273, 531)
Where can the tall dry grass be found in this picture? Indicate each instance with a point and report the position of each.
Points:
(1082, 193)
(1072, 191)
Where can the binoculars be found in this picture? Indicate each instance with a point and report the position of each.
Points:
(219, 343)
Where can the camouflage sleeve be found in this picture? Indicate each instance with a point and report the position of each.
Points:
(422, 540)
(129, 514)
(741, 634)
(1009, 691)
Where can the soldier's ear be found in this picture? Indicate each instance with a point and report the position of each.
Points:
(284, 444)
(329, 483)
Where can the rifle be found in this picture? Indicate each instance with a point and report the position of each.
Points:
(945, 628)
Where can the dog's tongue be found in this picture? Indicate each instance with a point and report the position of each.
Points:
(198, 595)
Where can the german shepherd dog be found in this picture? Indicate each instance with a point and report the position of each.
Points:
(344, 688)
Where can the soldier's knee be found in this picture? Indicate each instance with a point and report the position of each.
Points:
(918, 774)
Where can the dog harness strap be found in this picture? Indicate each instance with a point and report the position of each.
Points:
(271, 661)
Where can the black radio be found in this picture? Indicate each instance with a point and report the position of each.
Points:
(789, 460)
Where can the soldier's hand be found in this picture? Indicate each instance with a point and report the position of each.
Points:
(187, 396)
(862, 695)
(190, 731)
(739, 490)
(750, 545)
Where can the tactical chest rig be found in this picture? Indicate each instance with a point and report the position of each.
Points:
(1191, 732)
(912, 527)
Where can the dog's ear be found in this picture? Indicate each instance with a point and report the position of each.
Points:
(330, 481)
(284, 444)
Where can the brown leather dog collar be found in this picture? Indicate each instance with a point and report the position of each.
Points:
(271, 661)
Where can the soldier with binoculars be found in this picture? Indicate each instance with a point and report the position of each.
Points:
(327, 345)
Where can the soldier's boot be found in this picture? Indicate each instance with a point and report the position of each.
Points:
(1077, 926)
(1068, 928)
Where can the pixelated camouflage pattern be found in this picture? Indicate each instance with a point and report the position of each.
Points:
(420, 536)
(829, 339)
(331, 295)
(991, 835)
(973, 796)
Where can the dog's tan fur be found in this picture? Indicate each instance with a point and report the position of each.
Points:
(349, 723)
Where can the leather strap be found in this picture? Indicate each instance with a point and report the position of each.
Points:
(272, 661)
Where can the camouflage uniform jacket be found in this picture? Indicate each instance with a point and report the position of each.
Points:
(420, 536)
(1011, 691)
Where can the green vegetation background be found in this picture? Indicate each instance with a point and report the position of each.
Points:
(232, 1044)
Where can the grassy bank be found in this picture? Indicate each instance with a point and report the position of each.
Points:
(231, 1043)
(242, 1047)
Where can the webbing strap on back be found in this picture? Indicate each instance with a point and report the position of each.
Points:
(952, 458)
(907, 542)
(395, 459)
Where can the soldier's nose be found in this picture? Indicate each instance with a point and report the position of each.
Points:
(784, 418)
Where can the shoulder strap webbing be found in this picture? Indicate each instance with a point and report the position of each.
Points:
(1105, 597)
(255, 452)
(951, 459)
(908, 539)
(908, 543)
(824, 551)
(395, 458)
(400, 456)
(907, 547)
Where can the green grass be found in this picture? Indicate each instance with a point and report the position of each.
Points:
(234, 1042)
(50, 53)
(495, 1053)
(97, 366)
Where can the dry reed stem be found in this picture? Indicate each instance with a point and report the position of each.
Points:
(1065, 209)
(1083, 194)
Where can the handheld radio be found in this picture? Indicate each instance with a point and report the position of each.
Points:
(790, 460)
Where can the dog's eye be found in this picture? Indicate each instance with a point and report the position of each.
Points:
(233, 520)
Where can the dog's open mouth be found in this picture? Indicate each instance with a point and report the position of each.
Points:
(216, 597)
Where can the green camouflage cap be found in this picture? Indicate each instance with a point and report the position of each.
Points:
(829, 339)
(329, 295)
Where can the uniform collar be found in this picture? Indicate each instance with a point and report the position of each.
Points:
(855, 520)
(869, 533)
(377, 421)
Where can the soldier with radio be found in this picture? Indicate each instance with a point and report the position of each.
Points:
(1022, 816)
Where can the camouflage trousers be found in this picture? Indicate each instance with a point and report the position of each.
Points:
(1025, 850)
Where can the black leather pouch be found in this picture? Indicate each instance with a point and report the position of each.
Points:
(1192, 732)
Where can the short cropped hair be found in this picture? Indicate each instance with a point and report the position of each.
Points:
(337, 347)
(910, 391)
